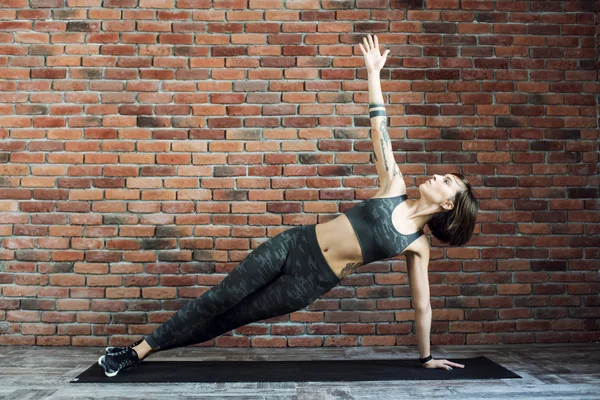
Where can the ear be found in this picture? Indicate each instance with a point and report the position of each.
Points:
(447, 205)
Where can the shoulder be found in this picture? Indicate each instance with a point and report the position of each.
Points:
(420, 248)
(395, 187)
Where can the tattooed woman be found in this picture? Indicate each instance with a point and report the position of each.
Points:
(294, 268)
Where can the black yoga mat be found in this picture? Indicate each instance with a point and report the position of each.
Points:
(295, 371)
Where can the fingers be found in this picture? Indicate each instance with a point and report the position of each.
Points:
(453, 364)
(362, 49)
(371, 42)
(449, 365)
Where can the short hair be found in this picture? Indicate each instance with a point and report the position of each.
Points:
(456, 226)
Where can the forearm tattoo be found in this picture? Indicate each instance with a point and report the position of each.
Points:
(378, 110)
(386, 143)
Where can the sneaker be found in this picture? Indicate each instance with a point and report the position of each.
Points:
(116, 349)
(119, 361)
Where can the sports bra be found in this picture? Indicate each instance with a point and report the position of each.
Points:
(374, 228)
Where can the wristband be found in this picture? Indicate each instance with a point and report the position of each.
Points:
(373, 105)
(424, 360)
(377, 113)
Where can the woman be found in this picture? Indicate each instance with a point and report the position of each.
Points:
(294, 268)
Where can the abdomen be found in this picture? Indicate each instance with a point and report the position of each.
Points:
(339, 244)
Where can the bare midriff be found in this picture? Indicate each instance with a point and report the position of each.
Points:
(339, 245)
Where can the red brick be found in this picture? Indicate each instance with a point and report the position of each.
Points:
(305, 342)
(17, 340)
(38, 329)
(517, 338)
(483, 338)
(53, 340)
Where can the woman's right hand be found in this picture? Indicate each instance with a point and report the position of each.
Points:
(374, 60)
(442, 364)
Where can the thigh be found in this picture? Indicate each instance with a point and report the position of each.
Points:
(260, 267)
(283, 296)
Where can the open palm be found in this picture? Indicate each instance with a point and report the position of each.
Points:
(374, 60)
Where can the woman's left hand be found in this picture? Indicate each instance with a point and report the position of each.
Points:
(443, 364)
(374, 61)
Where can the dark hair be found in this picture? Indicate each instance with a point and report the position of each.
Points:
(456, 226)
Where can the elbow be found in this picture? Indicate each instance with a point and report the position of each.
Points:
(422, 307)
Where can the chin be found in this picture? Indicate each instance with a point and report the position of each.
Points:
(425, 193)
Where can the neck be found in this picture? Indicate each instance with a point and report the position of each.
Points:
(421, 211)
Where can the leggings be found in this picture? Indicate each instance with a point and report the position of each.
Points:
(284, 274)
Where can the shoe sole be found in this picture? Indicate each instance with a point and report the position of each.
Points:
(101, 363)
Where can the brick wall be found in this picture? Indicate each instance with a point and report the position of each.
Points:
(148, 145)
(598, 47)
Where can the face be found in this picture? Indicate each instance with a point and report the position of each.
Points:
(441, 189)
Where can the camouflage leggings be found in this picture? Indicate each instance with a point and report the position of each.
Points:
(284, 274)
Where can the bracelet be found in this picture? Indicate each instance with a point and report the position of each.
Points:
(424, 360)
(377, 113)
(374, 105)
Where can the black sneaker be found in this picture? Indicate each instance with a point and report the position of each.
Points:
(119, 361)
(111, 350)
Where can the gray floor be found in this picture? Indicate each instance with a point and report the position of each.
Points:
(553, 371)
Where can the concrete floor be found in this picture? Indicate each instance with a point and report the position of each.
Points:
(548, 371)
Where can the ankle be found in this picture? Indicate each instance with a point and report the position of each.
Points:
(141, 354)
(142, 350)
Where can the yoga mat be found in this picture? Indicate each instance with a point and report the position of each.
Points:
(295, 371)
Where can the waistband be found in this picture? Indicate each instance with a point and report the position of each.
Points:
(318, 253)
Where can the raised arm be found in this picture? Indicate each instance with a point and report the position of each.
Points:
(387, 168)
